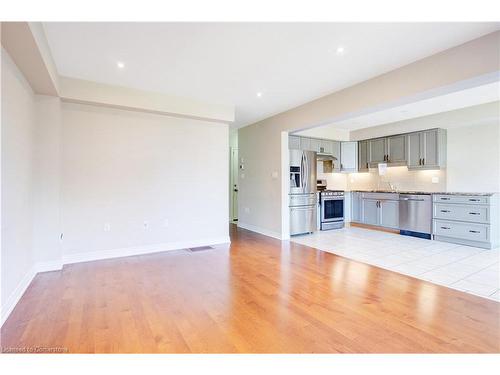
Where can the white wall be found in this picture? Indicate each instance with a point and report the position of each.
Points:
(124, 168)
(18, 135)
(46, 189)
(474, 158)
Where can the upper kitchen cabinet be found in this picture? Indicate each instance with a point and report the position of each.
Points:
(294, 142)
(305, 144)
(377, 151)
(349, 156)
(315, 144)
(363, 156)
(336, 154)
(396, 150)
(326, 147)
(427, 149)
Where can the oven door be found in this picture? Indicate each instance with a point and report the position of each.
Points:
(332, 209)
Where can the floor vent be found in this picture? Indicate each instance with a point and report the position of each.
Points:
(201, 248)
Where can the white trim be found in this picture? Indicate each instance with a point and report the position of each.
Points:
(260, 230)
(139, 250)
(55, 265)
(16, 295)
(285, 187)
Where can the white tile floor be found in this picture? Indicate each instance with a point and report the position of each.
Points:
(469, 269)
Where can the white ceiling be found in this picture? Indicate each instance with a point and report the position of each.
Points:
(228, 63)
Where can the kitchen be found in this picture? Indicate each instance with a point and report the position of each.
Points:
(394, 189)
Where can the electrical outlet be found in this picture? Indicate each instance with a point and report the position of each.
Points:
(145, 224)
(435, 180)
(274, 175)
(107, 227)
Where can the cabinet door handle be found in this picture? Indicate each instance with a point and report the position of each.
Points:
(366, 165)
(444, 199)
(473, 200)
(445, 210)
(474, 213)
(445, 228)
(420, 161)
(423, 161)
(474, 231)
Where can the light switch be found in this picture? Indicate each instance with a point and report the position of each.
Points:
(242, 175)
(274, 175)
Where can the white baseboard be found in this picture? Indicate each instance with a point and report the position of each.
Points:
(139, 250)
(13, 299)
(260, 230)
(48, 266)
(16, 295)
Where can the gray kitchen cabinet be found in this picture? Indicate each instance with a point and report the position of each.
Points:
(356, 207)
(315, 144)
(414, 158)
(305, 144)
(369, 210)
(389, 213)
(396, 150)
(294, 142)
(380, 209)
(335, 146)
(376, 151)
(363, 156)
(326, 146)
(349, 156)
(427, 149)
(466, 219)
(431, 148)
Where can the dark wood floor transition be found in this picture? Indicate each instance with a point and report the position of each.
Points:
(261, 295)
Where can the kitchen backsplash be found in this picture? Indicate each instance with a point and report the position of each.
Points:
(400, 177)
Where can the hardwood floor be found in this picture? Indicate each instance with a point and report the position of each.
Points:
(261, 295)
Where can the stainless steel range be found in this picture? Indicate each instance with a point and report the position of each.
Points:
(332, 209)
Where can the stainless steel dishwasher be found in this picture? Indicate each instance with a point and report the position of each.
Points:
(415, 215)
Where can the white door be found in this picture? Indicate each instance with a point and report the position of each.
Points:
(234, 184)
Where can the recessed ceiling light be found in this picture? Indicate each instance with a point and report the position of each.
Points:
(340, 50)
(259, 94)
(120, 64)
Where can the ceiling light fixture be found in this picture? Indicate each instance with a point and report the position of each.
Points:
(120, 64)
(340, 50)
(259, 94)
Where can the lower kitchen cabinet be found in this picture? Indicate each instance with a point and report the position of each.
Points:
(356, 207)
(370, 214)
(389, 214)
(380, 209)
(466, 219)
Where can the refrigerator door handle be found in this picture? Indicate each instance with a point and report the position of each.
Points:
(306, 179)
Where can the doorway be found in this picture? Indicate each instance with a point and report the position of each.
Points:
(233, 204)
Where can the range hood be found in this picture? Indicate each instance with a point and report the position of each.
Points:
(325, 157)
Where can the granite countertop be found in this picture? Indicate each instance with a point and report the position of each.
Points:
(423, 192)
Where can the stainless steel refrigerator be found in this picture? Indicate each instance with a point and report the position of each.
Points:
(302, 196)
